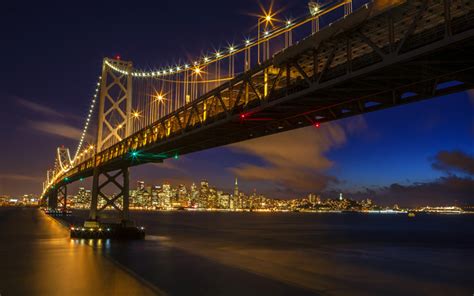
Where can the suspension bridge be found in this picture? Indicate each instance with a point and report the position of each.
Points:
(341, 59)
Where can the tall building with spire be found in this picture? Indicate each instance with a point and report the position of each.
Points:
(235, 203)
(236, 188)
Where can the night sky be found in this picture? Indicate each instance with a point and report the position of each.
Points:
(51, 56)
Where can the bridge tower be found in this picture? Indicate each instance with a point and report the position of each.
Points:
(115, 103)
(114, 124)
(58, 196)
(63, 158)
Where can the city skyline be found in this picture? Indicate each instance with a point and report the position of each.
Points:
(391, 153)
(148, 195)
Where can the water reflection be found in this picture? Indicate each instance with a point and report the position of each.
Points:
(37, 250)
(293, 253)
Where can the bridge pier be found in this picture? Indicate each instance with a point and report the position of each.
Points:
(93, 228)
(61, 197)
(53, 199)
(124, 194)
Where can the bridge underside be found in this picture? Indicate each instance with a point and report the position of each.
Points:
(438, 73)
(365, 63)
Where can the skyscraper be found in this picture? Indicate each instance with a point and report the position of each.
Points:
(236, 203)
(236, 188)
(203, 194)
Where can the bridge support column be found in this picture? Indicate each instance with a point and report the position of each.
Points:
(95, 195)
(112, 202)
(126, 194)
(53, 199)
(62, 197)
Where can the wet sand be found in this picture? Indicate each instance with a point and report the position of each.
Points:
(37, 257)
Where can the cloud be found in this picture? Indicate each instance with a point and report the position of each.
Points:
(442, 191)
(19, 177)
(173, 166)
(33, 106)
(295, 161)
(52, 128)
(454, 161)
(57, 129)
(446, 190)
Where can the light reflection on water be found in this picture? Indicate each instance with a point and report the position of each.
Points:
(39, 258)
(297, 253)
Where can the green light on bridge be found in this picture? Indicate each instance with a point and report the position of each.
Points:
(134, 154)
(145, 157)
(176, 156)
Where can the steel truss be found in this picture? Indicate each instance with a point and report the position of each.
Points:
(61, 195)
(115, 104)
(63, 158)
(123, 195)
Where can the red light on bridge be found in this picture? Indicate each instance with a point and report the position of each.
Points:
(242, 116)
(317, 125)
(117, 57)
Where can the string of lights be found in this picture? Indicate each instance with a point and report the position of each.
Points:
(315, 12)
(88, 119)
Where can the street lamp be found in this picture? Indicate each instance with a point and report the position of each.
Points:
(313, 7)
(314, 10)
(267, 20)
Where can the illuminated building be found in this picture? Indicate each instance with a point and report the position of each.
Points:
(183, 197)
(224, 200)
(82, 199)
(203, 195)
(140, 185)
